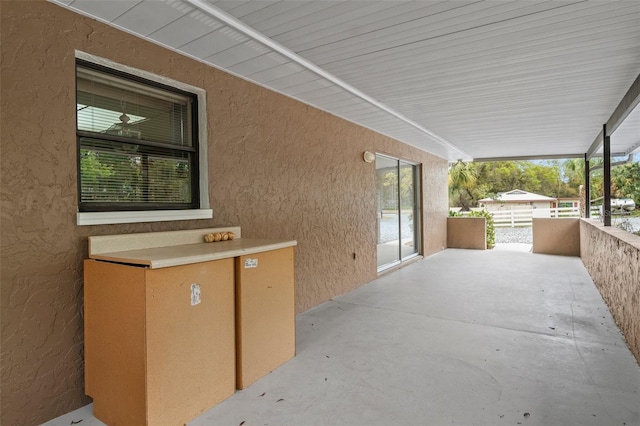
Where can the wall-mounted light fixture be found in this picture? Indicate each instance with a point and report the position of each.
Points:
(369, 156)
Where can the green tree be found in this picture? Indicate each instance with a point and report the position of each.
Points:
(573, 176)
(551, 179)
(574, 170)
(93, 172)
(541, 178)
(470, 182)
(463, 178)
(407, 192)
(387, 188)
(501, 176)
(625, 182)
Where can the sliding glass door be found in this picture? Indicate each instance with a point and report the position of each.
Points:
(398, 211)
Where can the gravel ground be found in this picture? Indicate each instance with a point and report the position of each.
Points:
(514, 235)
(629, 224)
(389, 227)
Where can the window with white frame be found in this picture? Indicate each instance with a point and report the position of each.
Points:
(137, 140)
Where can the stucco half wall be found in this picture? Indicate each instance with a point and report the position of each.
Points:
(467, 233)
(612, 257)
(560, 236)
(277, 168)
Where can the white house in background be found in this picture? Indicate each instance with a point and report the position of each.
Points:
(568, 203)
(518, 199)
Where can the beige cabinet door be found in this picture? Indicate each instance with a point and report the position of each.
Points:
(190, 353)
(159, 343)
(114, 341)
(265, 313)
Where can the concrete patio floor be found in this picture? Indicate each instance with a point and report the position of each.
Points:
(464, 337)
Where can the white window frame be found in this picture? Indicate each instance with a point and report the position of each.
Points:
(205, 211)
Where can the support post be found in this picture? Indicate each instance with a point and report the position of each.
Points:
(606, 163)
(587, 186)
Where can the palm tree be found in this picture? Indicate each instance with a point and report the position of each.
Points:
(462, 179)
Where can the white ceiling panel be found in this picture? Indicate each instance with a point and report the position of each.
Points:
(210, 44)
(107, 10)
(349, 104)
(329, 95)
(293, 81)
(283, 71)
(258, 64)
(309, 20)
(241, 8)
(312, 88)
(461, 79)
(147, 17)
(238, 54)
(398, 36)
(281, 14)
(504, 49)
(185, 29)
(327, 26)
(361, 24)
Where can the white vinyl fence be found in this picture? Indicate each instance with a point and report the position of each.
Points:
(515, 218)
(523, 217)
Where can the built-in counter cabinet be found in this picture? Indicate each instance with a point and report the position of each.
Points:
(159, 343)
(174, 325)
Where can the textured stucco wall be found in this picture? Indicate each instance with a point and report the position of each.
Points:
(467, 233)
(612, 257)
(559, 236)
(278, 168)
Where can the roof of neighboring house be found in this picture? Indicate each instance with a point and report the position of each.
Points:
(516, 196)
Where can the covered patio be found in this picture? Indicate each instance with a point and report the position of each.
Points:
(292, 96)
(461, 337)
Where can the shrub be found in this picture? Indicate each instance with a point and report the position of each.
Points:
(490, 227)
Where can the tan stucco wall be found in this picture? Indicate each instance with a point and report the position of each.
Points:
(278, 169)
(467, 232)
(560, 236)
(612, 257)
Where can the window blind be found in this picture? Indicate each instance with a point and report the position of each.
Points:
(136, 144)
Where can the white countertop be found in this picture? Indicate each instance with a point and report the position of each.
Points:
(173, 248)
(163, 257)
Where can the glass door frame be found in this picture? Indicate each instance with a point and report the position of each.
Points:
(417, 210)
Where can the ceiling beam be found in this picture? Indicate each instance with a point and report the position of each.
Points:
(595, 146)
(528, 158)
(629, 101)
